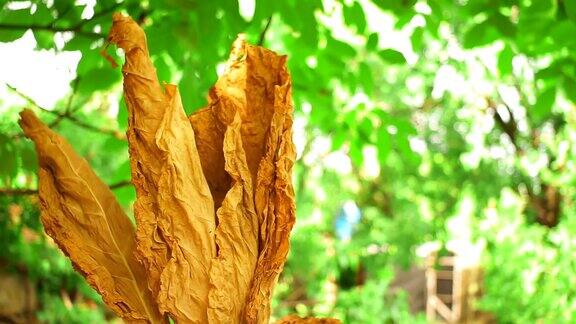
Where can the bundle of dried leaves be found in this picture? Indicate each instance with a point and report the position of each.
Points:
(215, 203)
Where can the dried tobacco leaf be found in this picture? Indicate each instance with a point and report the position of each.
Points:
(252, 102)
(236, 236)
(274, 196)
(215, 202)
(83, 217)
(174, 209)
(242, 138)
(237, 231)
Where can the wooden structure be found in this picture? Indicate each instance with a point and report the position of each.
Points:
(453, 285)
(413, 282)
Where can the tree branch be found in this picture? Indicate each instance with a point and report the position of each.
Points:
(509, 128)
(77, 28)
(67, 114)
(53, 29)
(30, 191)
(547, 203)
(262, 37)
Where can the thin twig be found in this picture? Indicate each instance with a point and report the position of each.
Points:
(75, 84)
(18, 191)
(30, 191)
(68, 109)
(29, 99)
(77, 28)
(93, 128)
(53, 29)
(67, 114)
(264, 31)
(120, 184)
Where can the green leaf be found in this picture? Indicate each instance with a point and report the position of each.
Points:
(190, 85)
(28, 156)
(301, 17)
(570, 89)
(122, 117)
(78, 43)
(338, 139)
(383, 144)
(550, 72)
(503, 24)
(398, 7)
(570, 6)
(123, 172)
(42, 15)
(44, 39)
(10, 35)
(8, 163)
(563, 33)
(355, 153)
(479, 35)
(20, 17)
(350, 117)
(354, 16)
(543, 106)
(366, 128)
(115, 145)
(88, 62)
(97, 79)
(417, 39)
(403, 146)
(404, 127)
(162, 69)
(125, 195)
(505, 58)
(339, 49)
(372, 42)
(263, 10)
(159, 43)
(540, 8)
(392, 56)
(403, 19)
(366, 79)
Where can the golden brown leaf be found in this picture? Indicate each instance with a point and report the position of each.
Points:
(252, 103)
(174, 209)
(236, 156)
(83, 217)
(269, 92)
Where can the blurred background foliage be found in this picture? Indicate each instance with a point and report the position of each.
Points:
(416, 121)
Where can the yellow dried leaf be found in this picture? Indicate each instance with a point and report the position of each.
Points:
(174, 209)
(252, 102)
(274, 196)
(231, 183)
(215, 202)
(242, 143)
(83, 217)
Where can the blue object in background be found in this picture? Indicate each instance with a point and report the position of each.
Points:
(348, 216)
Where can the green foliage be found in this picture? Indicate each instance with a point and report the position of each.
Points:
(57, 312)
(441, 120)
(529, 270)
(27, 250)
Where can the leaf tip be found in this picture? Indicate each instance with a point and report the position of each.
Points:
(29, 122)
